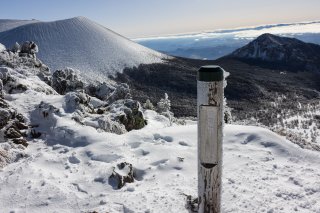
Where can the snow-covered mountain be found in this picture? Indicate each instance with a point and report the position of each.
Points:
(286, 51)
(82, 44)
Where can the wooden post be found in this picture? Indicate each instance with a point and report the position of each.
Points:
(210, 96)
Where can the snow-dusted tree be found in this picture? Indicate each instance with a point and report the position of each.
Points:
(16, 48)
(148, 105)
(122, 91)
(164, 105)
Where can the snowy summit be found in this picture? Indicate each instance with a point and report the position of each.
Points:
(81, 44)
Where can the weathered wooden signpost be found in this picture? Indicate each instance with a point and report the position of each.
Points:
(210, 96)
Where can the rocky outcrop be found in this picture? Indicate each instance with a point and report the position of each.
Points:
(12, 125)
(28, 49)
(132, 116)
(64, 81)
(78, 101)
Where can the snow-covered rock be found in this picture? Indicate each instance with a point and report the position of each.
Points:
(66, 80)
(29, 48)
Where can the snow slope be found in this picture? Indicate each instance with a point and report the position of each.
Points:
(82, 44)
(263, 172)
(8, 24)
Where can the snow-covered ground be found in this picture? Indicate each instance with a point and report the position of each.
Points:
(67, 168)
(262, 171)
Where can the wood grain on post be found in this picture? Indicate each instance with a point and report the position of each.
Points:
(210, 96)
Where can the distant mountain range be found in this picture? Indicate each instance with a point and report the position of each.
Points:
(215, 44)
(266, 68)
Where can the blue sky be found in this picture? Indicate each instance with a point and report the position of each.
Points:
(139, 18)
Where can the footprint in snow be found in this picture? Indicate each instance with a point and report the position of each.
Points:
(182, 143)
(74, 160)
(141, 152)
(134, 145)
(156, 163)
(164, 138)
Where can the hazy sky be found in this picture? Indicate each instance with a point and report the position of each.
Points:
(139, 18)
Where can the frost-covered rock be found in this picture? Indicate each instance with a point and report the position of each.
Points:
(78, 101)
(129, 113)
(43, 118)
(20, 79)
(10, 153)
(108, 124)
(102, 90)
(29, 48)
(66, 80)
(122, 174)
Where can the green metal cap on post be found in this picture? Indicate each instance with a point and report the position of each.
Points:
(210, 73)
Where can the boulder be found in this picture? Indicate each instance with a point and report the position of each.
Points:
(107, 124)
(123, 173)
(29, 48)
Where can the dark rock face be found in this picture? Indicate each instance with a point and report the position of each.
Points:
(12, 124)
(289, 53)
(123, 173)
(21, 141)
(66, 80)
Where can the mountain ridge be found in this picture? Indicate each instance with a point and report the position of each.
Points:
(284, 52)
